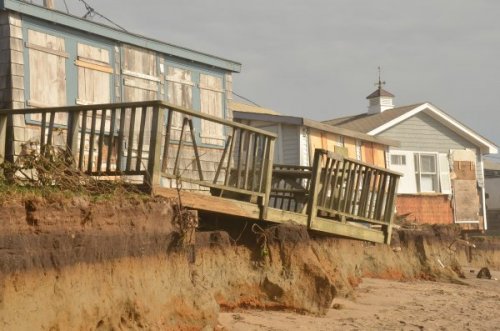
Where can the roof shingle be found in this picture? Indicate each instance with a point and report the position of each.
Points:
(367, 122)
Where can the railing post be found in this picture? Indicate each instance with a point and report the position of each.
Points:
(72, 138)
(3, 137)
(312, 208)
(153, 178)
(390, 208)
(269, 177)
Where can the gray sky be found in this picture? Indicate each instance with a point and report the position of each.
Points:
(319, 58)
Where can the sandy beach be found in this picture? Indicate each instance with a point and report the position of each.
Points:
(391, 305)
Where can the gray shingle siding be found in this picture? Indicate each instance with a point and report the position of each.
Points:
(422, 133)
(291, 149)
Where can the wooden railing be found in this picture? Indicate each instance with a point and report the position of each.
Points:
(164, 145)
(155, 140)
(290, 188)
(348, 189)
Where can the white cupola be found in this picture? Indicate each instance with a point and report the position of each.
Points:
(380, 100)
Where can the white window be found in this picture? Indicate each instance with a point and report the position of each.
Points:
(422, 172)
(426, 172)
(398, 159)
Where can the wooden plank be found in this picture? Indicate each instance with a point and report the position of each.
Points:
(42, 130)
(390, 209)
(121, 138)
(263, 162)
(100, 143)
(72, 137)
(351, 217)
(240, 153)
(346, 230)
(51, 128)
(247, 160)
(93, 66)
(287, 217)
(211, 204)
(253, 180)
(168, 132)
(359, 176)
(350, 187)
(179, 148)
(92, 140)
(141, 75)
(374, 190)
(47, 50)
(326, 179)
(315, 187)
(130, 139)
(230, 155)
(140, 143)
(82, 141)
(195, 149)
(269, 175)
(217, 186)
(111, 141)
(154, 160)
(223, 157)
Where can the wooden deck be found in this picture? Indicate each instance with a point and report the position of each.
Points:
(161, 145)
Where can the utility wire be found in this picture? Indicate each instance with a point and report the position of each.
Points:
(91, 12)
(240, 96)
(66, 5)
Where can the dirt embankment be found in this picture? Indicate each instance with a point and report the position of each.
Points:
(74, 264)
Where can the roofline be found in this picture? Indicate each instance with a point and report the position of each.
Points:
(105, 31)
(486, 145)
(293, 120)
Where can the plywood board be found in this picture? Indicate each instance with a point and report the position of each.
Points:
(367, 152)
(379, 155)
(47, 65)
(179, 93)
(466, 201)
(350, 144)
(211, 94)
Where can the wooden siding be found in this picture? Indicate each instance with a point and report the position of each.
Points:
(422, 133)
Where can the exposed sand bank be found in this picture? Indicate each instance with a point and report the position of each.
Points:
(391, 305)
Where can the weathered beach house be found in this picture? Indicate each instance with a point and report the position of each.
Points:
(51, 59)
(298, 137)
(441, 159)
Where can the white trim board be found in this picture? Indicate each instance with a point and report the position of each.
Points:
(444, 118)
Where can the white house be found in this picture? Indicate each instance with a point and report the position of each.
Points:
(441, 158)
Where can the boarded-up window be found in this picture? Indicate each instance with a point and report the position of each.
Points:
(94, 75)
(140, 75)
(211, 95)
(179, 93)
(47, 63)
(141, 83)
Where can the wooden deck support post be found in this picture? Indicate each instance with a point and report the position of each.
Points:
(312, 208)
(269, 177)
(389, 210)
(153, 177)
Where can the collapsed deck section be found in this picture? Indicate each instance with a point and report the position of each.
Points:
(171, 149)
